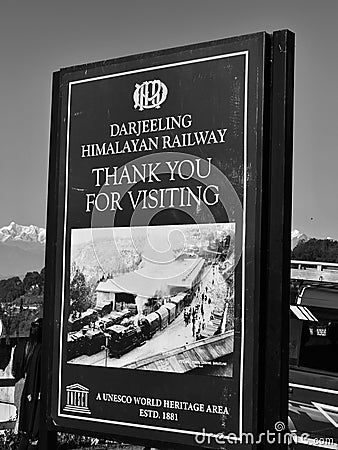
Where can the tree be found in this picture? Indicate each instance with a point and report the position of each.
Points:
(80, 293)
(325, 250)
(8, 317)
(11, 289)
(32, 283)
(42, 275)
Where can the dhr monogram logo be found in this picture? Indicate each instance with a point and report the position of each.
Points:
(150, 94)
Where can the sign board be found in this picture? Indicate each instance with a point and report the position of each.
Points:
(158, 212)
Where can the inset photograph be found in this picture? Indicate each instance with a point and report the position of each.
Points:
(157, 298)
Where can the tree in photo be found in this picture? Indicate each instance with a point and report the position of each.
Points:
(81, 297)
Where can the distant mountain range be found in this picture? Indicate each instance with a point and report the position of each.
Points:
(22, 249)
(15, 232)
(296, 237)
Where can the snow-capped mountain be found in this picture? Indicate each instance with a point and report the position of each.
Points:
(22, 249)
(296, 237)
(15, 232)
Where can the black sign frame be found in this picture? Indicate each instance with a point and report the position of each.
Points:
(267, 383)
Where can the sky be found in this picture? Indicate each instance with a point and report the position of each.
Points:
(39, 37)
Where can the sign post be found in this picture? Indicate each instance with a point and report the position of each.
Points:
(168, 200)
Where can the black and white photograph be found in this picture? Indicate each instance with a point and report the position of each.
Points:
(168, 226)
(153, 298)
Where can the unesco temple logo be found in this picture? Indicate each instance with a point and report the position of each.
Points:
(150, 94)
(77, 399)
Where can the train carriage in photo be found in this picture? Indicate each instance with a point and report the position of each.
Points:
(171, 307)
(103, 310)
(163, 314)
(95, 340)
(118, 316)
(150, 324)
(76, 324)
(179, 301)
(76, 343)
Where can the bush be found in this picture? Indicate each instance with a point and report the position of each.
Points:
(11, 441)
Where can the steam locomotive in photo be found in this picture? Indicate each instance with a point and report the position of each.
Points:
(124, 335)
(123, 339)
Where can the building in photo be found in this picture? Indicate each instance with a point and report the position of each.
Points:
(160, 274)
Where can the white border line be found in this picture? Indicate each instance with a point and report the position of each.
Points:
(245, 164)
(147, 69)
(163, 66)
